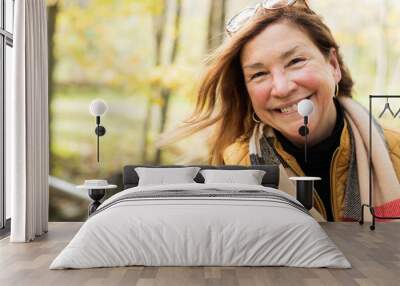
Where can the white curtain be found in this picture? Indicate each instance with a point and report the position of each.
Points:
(27, 144)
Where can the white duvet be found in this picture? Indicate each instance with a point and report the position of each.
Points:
(200, 231)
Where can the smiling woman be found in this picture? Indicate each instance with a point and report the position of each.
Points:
(283, 74)
(279, 53)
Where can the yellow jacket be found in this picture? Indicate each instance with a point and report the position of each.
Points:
(238, 154)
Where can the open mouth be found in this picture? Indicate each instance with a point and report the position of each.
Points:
(291, 108)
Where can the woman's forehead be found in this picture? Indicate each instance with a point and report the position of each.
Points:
(276, 41)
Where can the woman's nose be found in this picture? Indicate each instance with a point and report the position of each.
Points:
(281, 85)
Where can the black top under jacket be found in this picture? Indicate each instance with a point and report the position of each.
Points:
(319, 159)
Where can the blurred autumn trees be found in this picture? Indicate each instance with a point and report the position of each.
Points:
(216, 23)
(146, 57)
(165, 92)
(101, 43)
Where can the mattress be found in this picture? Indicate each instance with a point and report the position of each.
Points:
(201, 225)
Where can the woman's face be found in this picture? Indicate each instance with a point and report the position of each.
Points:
(282, 66)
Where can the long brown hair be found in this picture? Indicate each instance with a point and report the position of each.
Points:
(223, 101)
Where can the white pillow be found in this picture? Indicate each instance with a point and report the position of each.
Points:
(162, 176)
(249, 177)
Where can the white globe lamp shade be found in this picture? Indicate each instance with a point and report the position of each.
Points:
(305, 107)
(98, 107)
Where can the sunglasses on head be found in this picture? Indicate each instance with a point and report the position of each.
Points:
(238, 20)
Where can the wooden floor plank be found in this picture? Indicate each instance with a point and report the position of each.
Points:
(374, 255)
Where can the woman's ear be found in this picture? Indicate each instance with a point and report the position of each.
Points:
(333, 61)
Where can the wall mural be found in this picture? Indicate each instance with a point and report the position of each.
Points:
(146, 58)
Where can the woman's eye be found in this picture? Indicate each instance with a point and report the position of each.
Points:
(295, 61)
(256, 75)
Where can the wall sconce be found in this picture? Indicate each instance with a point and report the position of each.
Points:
(97, 108)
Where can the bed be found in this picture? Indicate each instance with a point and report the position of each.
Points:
(201, 223)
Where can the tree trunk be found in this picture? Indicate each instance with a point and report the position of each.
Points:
(166, 92)
(158, 25)
(382, 61)
(52, 10)
(216, 24)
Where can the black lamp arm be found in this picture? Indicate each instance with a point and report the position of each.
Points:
(305, 138)
(100, 131)
(303, 131)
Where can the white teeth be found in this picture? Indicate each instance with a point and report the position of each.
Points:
(292, 108)
(289, 109)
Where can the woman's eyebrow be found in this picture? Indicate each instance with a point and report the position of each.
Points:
(254, 66)
(289, 52)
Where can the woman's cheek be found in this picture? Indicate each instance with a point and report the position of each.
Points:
(307, 78)
(259, 95)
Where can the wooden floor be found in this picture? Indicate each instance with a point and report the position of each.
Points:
(374, 255)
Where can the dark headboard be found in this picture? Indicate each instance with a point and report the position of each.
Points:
(270, 179)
